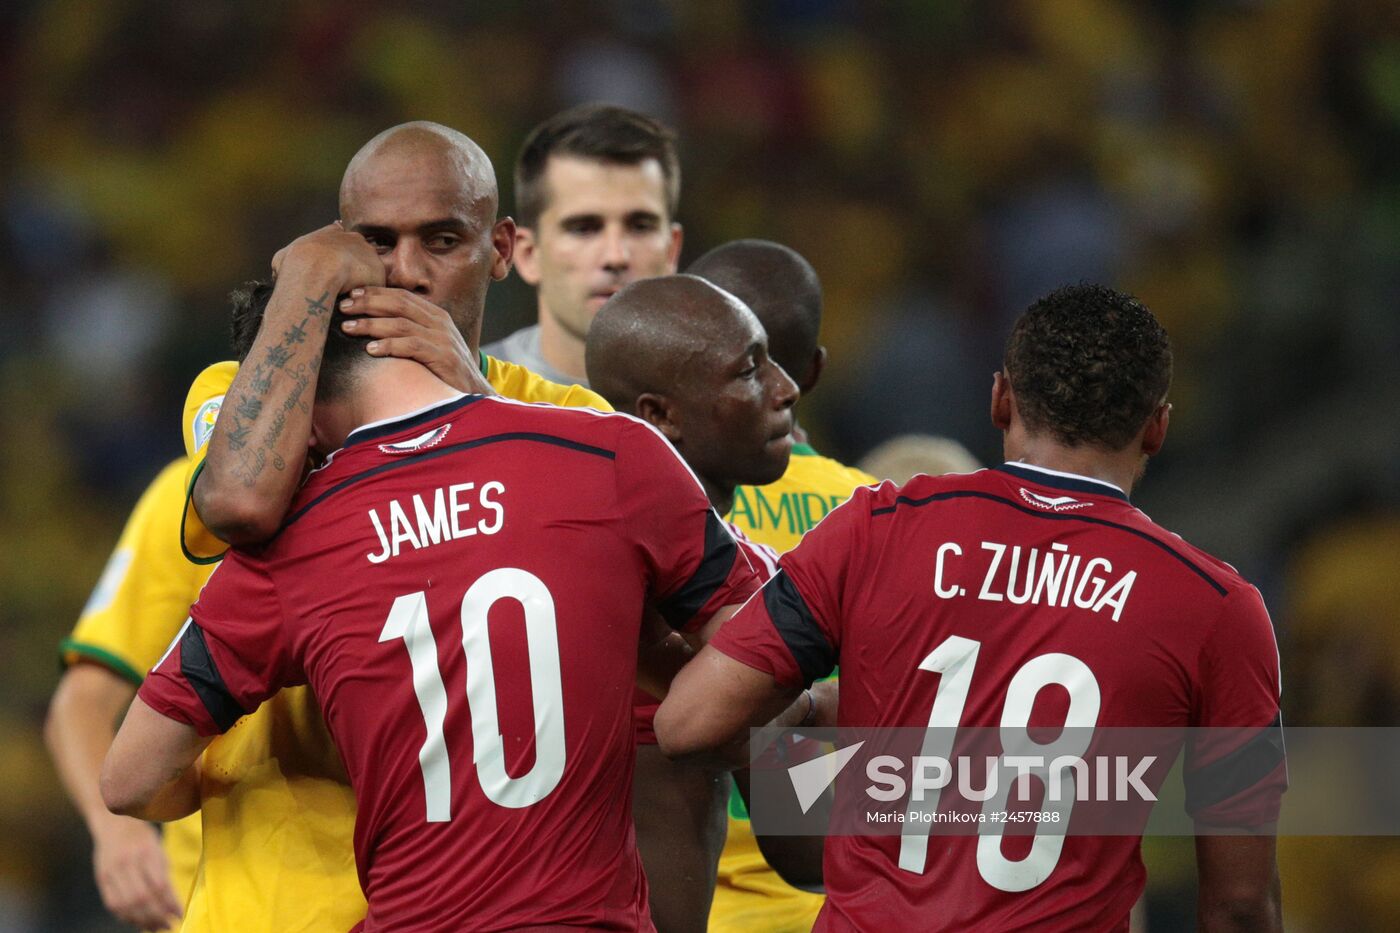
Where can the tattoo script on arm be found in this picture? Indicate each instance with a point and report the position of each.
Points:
(253, 456)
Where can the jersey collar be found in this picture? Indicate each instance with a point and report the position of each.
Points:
(387, 426)
(1060, 480)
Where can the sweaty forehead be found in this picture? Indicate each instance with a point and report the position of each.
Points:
(715, 336)
(405, 188)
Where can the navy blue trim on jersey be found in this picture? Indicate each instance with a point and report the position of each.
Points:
(435, 452)
(1050, 516)
(1238, 771)
(799, 630)
(198, 668)
(360, 435)
(721, 550)
(1062, 482)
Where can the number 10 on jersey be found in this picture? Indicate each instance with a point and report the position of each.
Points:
(408, 620)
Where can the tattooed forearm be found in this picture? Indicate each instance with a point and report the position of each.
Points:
(250, 404)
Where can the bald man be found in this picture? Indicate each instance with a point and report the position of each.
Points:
(418, 241)
(757, 888)
(416, 247)
(691, 360)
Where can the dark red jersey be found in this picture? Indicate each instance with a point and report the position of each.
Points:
(764, 561)
(1016, 598)
(463, 589)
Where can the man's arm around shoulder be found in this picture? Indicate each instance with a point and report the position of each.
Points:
(258, 447)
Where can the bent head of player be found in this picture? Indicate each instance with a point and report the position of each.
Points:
(596, 188)
(783, 291)
(692, 360)
(1084, 385)
(424, 196)
(344, 400)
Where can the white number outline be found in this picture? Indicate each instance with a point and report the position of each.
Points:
(408, 620)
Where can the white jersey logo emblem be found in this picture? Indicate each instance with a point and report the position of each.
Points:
(421, 442)
(1053, 503)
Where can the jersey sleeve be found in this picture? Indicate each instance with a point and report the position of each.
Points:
(517, 382)
(202, 405)
(1235, 768)
(793, 630)
(696, 566)
(233, 653)
(144, 594)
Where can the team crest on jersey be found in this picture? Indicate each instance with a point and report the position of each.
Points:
(204, 421)
(421, 442)
(1053, 503)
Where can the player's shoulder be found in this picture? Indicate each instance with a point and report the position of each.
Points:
(524, 385)
(203, 401)
(1223, 576)
(613, 432)
(1081, 498)
(888, 498)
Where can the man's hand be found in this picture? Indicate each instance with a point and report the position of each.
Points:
(132, 875)
(409, 326)
(333, 247)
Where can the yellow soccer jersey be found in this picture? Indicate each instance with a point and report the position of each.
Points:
(780, 513)
(278, 811)
(749, 895)
(135, 611)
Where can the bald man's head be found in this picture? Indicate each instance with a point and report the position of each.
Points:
(456, 158)
(653, 336)
(424, 195)
(782, 288)
(692, 360)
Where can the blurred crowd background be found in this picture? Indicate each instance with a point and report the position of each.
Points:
(1234, 164)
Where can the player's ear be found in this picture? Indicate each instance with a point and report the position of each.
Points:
(526, 255)
(657, 411)
(1001, 401)
(673, 250)
(1154, 435)
(502, 248)
(814, 372)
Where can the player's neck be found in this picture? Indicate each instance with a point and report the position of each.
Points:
(561, 349)
(720, 496)
(396, 387)
(1121, 468)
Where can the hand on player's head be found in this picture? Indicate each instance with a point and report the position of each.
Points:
(332, 247)
(406, 325)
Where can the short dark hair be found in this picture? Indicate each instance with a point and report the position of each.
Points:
(246, 306)
(1089, 365)
(602, 132)
(342, 353)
